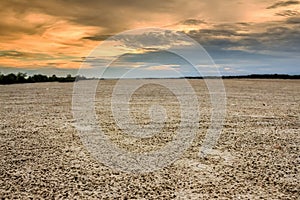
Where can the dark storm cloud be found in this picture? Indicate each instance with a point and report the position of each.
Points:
(276, 37)
(288, 13)
(283, 4)
(266, 48)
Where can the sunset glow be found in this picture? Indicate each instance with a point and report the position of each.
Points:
(59, 34)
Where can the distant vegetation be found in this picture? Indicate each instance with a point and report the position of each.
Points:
(254, 76)
(24, 78)
(265, 76)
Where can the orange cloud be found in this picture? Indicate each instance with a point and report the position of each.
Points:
(60, 40)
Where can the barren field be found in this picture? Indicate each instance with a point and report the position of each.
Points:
(256, 157)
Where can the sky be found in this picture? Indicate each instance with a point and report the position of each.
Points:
(241, 37)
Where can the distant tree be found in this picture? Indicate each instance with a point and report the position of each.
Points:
(21, 77)
(68, 78)
(78, 78)
(53, 78)
(9, 78)
(1, 77)
(40, 78)
(30, 80)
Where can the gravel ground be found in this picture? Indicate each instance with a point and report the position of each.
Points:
(257, 155)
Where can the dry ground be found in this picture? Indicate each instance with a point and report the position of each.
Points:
(257, 156)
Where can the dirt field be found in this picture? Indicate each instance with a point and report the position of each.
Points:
(257, 155)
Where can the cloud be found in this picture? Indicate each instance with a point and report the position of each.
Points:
(253, 47)
(283, 4)
(288, 13)
(11, 53)
(26, 56)
(109, 16)
(152, 39)
(13, 24)
(163, 67)
(97, 37)
(118, 15)
(257, 37)
(30, 60)
(193, 22)
(293, 20)
(218, 32)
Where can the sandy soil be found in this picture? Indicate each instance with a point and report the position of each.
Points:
(257, 156)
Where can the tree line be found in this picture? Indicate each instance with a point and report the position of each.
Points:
(264, 76)
(24, 78)
(252, 76)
